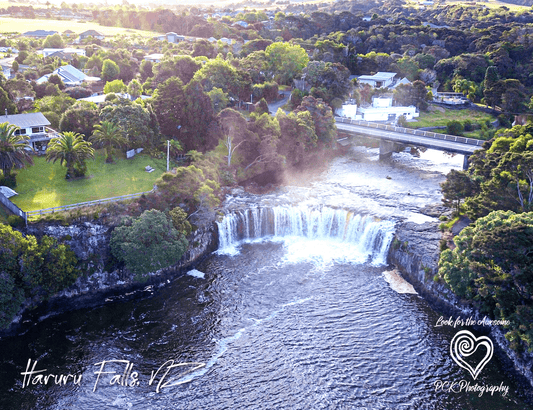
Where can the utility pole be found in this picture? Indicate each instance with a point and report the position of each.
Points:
(168, 153)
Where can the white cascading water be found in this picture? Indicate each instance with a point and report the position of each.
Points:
(324, 234)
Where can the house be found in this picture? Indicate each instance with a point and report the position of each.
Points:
(6, 71)
(403, 81)
(100, 98)
(154, 58)
(383, 110)
(241, 23)
(70, 76)
(68, 33)
(52, 52)
(91, 33)
(39, 33)
(35, 125)
(378, 80)
(172, 37)
(450, 98)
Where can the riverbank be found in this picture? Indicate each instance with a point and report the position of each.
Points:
(102, 282)
(415, 253)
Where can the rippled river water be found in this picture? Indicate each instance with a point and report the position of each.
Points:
(292, 313)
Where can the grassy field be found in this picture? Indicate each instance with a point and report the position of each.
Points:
(43, 185)
(438, 118)
(16, 25)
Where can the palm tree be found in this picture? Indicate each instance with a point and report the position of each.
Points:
(108, 135)
(70, 149)
(13, 149)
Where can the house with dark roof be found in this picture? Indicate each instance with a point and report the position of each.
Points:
(39, 33)
(91, 33)
(35, 125)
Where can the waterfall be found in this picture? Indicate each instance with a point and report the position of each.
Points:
(309, 230)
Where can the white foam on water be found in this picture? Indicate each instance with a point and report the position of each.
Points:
(196, 274)
(320, 235)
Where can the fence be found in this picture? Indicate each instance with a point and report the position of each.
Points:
(428, 134)
(83, 204)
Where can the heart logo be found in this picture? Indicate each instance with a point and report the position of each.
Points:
(464, 344)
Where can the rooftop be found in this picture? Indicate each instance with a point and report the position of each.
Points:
(33, 119)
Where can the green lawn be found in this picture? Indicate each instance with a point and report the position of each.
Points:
(43, 185)
(437, 118)
(16, 25)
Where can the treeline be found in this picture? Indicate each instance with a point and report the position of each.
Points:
(491, 264)
(31, 269)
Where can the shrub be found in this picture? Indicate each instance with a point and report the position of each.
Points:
(15, 221)
(148, 243)
(454, 127)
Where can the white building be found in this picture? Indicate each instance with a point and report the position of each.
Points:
(381, 110)
(100, 98)
(49, 51)
(35, 125)
(154, 58)
(378, 80)
(70, 76)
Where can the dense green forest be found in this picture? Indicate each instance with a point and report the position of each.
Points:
(209, 96)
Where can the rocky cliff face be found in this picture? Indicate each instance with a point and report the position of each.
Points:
(102, 280)
(415, 253)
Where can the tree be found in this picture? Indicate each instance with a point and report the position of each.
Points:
(332, 79)
(6, 103)
(220, 74)
(454, 127)
(492, 266)
(456, 188)
(219, 99)
(53, 41)
(115, 86)
(80, 118)
(168, 106)
(297, 135)
(13, 151)
(324, 122)
(179, 221)
(138, 123)
(108, 135)
(72, 151)
(286, 61)
(146, 70)
(183, 67)
(490, 90)
(110, 70)
(134, 89)
(234, 130)
(55, 79)
(198, 118)
(148, 243)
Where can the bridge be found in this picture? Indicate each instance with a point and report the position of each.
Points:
(388, 135)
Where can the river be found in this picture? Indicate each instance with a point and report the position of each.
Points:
(292, 312)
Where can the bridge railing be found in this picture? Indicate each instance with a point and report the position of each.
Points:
(427, 134)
